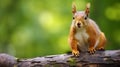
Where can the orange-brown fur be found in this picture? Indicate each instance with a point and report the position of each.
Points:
(90, 35)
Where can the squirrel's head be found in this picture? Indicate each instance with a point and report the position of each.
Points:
(80, 17)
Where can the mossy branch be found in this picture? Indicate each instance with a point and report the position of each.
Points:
(100, 58)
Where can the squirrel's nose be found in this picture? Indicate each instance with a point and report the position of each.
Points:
(78, 24)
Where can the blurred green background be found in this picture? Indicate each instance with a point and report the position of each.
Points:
(30, 28)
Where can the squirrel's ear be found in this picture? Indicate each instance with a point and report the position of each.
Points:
(87, 10)
(74, 8)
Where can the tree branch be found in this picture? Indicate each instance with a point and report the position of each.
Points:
(106, 58)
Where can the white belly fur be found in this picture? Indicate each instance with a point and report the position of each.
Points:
(82, 38)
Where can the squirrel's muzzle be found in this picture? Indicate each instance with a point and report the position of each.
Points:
(79, 25)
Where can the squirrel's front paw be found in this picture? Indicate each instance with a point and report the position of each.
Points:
(91, 50)
(101, 49)
(75, 53)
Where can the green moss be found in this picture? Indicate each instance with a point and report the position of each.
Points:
(72, 61)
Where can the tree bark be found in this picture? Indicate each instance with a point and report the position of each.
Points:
(108, 58)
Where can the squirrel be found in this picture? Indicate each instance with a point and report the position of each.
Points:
(85, 35)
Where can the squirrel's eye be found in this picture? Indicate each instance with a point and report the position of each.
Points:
(73, 17)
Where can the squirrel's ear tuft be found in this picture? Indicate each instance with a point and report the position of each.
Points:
(87, 10)
(74, 8)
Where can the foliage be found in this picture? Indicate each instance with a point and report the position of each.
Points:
(40, 27)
